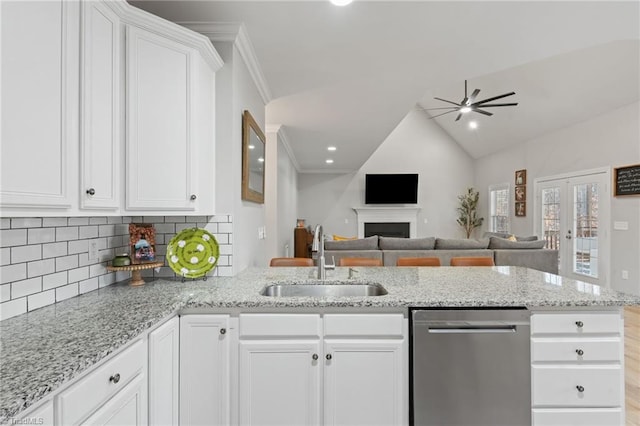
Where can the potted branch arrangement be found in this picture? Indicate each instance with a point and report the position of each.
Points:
(467, 211)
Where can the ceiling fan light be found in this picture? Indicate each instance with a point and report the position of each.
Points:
(340, 2)
(473, 124)
(465, 109)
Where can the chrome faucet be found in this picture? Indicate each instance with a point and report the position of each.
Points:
(318, 246)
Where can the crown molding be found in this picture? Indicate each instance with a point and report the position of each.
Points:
(329, 171)
(137, 17)
(235, 32)
(282, 137)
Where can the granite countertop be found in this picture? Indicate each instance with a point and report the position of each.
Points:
(46, 348)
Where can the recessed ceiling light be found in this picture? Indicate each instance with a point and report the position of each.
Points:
(329, 161)
(331, 148)
(261, 160)
(251, 147)
(340, 2)
(473, 125)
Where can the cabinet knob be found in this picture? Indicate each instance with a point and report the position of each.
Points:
(223, 331)
(314, 357)
(580, 388)
(91, 191)
(328, 357)
(580, 352)
(115, 378)
(579, 324)
(193, 197)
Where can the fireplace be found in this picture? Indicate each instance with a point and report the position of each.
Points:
(405, 216)
(387, 229)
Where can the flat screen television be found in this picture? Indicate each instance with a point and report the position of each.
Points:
(391, 189)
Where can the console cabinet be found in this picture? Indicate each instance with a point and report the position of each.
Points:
(577, 372)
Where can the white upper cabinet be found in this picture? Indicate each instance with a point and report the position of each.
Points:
(100, 130)
(96, 119)
(161, 153)
(39, 104)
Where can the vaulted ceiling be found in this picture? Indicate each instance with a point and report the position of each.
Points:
(346, 76)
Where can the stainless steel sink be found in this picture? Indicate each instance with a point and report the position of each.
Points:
(323, 290)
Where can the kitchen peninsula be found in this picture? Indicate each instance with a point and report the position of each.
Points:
(46, 350)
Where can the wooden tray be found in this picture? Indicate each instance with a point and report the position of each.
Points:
(136, 277)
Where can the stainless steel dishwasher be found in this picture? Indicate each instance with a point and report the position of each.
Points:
(470, 367)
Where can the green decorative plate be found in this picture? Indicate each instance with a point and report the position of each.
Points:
(192, 253)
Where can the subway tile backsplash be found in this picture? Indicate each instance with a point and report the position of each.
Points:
(46, 260)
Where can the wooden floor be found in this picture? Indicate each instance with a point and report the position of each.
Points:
(632, 364)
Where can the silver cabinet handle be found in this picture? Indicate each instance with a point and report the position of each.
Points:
(328, 357)
(91, 191)
(223, 331)
(193, 197)
(580, 388)
(580, 352)
(314, 357)
(580, 324)
(115, 378)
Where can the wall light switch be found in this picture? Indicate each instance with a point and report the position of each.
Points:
(625, 275)
(346, 221)
(621, 226)
(93, 250)
(425, 220)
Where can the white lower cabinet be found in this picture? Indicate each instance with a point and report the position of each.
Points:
(114, 393)
(41, 415)
(164, 379)
(204, 370)
(308, 369)
(577, 372)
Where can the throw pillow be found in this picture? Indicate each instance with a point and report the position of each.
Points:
(391, 243)
(512, 238)
(502, 243)
(461, 244)
(531, 238)
(341, 238)
(369, 243)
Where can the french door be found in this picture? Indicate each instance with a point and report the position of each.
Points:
(572, 215)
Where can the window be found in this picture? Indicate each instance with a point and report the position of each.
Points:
(499, 208)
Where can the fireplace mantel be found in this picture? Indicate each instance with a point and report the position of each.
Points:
(386, 215)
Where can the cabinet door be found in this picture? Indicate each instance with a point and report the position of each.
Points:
(164, 347)
(100, 132)
(161, 156)
(39, 92)
(43, 415)
(363, 382)
(126, 408)
(279, 382)
(204, 370)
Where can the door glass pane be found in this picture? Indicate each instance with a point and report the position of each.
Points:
(585, 229)
(551, 217)
(499, 210)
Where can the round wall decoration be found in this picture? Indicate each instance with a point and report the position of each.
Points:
(192, 253)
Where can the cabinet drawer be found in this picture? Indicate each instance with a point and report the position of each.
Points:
(279, 325)
(576, 323)
(90, 392)
(556, 386)
(577, 417)
(388, 325)
(570, 348)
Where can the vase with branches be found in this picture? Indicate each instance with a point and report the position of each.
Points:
(467, 211)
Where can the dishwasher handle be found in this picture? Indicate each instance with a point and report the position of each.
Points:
(473, 330)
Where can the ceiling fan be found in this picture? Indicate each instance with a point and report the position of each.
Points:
(469, 104)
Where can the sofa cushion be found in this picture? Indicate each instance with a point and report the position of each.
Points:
(461, 244)
(369, 243)
(531, 238)
(391, 243)
(489, 234)
(502, 243)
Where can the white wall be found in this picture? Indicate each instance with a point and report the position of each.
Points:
(610, 140)
(287, 205)
(236, 92)
(416, 145)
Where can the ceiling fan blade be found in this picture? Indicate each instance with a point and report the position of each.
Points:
(444, 100)
(430, 109)
(473, 96)
(493, 98)
(497, 105)
(458, 117)
(434, 116)
(483, 112)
